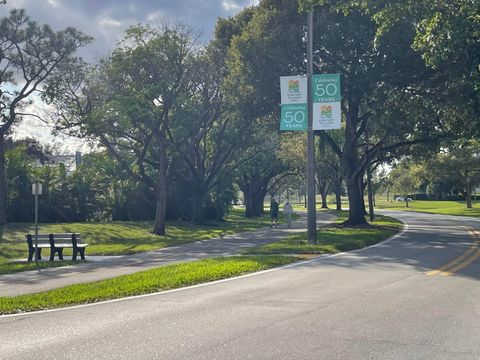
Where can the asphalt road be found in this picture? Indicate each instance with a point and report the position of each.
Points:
(385, 302)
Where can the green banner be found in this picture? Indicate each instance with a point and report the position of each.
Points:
(294, 117)
(326, 88)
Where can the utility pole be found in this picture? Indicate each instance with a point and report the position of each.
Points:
(36, 190)
(312, 215)
(369, 176)
(36, 227)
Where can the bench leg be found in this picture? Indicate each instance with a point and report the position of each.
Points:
(31, 252)
(59, 251)
(76, 252)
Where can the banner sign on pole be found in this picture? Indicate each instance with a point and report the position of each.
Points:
(326, 88)
(327, 116)
(327, 110)
(293, 90)
(294, 117)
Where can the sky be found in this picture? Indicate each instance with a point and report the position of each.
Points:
(106, 21)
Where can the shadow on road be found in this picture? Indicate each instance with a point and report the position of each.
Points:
(429, 242)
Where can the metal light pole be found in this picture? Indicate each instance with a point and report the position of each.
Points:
(312, 215)
(371, 210)
(36, 190)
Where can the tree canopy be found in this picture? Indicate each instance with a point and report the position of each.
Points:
(29, 54)
(179, 126)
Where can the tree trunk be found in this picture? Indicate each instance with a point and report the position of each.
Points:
(247, 199)
(363, 187)
(338, 194)
(3, 192)
(254, 188)
(350, 160)
(370, 194)
(356, 213)
(161, 192)
(323, 190)
(254, 202)
(323, 195)
(198, 209)
(159, 226)
(116, 203)
(324, 201)
(468, 196)
(258, 202)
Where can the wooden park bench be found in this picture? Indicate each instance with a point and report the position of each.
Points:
(56, 243)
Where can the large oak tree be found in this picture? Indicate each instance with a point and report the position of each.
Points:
(29, 54)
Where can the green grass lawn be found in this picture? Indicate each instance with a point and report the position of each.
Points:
(162, 278)
(334, 238)
(7, 267)
(118, 238)
(435, 207)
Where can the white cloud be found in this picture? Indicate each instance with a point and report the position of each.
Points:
(132, 8)
(31, 126)
(53, 3)
(234, 6)
(109, 22)
(155, 16)
(108, 31)
(229, 5)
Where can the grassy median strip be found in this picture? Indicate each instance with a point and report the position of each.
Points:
(334, 238)
(162, 278)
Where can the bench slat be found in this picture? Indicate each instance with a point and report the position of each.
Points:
(69, 245)
(46, 237)
(66, 235)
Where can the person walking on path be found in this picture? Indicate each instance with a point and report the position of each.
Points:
(273, 212)
(288, 211)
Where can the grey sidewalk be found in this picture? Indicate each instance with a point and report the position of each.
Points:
(103, 267)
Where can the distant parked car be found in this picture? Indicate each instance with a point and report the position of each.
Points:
(399, 198)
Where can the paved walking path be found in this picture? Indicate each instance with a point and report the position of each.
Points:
(103, 267)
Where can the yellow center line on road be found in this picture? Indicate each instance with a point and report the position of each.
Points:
(459, 263)
(467, 261)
